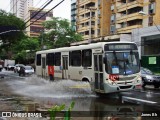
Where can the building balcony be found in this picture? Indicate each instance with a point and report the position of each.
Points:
(129, 5)
(128, 29)
(86, 19)
(88, 36)
(133, 16)
(83, 2)
(83, 11)
(34, 34)
(86, 28)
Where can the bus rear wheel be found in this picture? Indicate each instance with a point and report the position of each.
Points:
(85, 80)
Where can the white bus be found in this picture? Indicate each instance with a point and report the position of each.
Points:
(107, 66)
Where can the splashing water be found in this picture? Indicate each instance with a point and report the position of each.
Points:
(38, 87)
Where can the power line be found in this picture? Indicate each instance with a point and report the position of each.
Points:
(20, 7)
(35, 6)
(14, 5)
(7, 6)
(45, 13)
(8, 31)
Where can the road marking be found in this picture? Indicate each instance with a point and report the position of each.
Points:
(141, 100)
(148, 91)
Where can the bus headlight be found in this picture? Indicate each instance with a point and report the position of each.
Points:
(111, 82)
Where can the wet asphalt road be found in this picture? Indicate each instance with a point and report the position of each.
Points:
(133, 103)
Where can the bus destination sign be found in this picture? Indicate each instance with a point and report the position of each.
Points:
(111, 47)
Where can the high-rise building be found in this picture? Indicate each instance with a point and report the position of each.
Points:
(112, 18)
(73, 14)
(35, 27)
(20, 8)
(93, 19)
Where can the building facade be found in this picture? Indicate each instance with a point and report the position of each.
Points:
(92, 19)
(111, 18)
(73, 14)
(35, 27)
(20, 8)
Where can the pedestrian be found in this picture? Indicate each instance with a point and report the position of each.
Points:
(22, 71)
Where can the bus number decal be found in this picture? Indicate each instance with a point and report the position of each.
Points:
(113, 77)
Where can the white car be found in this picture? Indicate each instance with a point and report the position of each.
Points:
(29, 69)
(26, 70)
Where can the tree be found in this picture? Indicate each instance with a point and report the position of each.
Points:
(58, 29)
(11, 30)
(25, 49)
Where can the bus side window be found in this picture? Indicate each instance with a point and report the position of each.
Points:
(86, 58)
(38, 60)
(75, 58)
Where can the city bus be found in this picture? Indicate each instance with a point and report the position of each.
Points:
(107, 66)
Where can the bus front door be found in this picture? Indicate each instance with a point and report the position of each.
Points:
(43, 66)
(65, 67)
(98, 72)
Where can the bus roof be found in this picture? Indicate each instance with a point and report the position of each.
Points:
(80, 47)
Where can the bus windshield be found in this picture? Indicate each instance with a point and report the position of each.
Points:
(122, 63)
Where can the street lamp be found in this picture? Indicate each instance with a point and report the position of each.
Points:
(143, 13)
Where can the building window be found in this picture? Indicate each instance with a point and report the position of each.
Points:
(112, 7)
(152, 8)
(124, 24)
(112, 29)
(99, 12)
(113, 18)
(99, 2)
(99, 32)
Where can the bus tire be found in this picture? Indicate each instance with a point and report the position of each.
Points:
(85, 80)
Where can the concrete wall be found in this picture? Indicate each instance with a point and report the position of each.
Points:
(138, 33)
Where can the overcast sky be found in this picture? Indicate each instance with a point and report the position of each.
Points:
(63, 10)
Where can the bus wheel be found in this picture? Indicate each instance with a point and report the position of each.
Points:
(85, 80)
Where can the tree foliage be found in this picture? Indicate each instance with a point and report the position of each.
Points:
(8, 36)
(58, 30)
(10, 22)
(25, 49)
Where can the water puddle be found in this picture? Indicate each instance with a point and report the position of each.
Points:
(38, 87)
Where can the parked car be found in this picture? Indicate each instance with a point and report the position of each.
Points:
(26, 70)
(10, 67)
(149, 78)
(17, 67)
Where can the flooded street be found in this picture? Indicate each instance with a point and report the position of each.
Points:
(37, 94)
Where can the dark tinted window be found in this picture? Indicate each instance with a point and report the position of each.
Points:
(38, 59)
(75, 58)
(50, 59)
(57, 58)
(86, 58)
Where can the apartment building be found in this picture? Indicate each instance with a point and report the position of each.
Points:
(93, 12)
(35, 27)
(20, 8)
(73, 14)
(112, 18)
